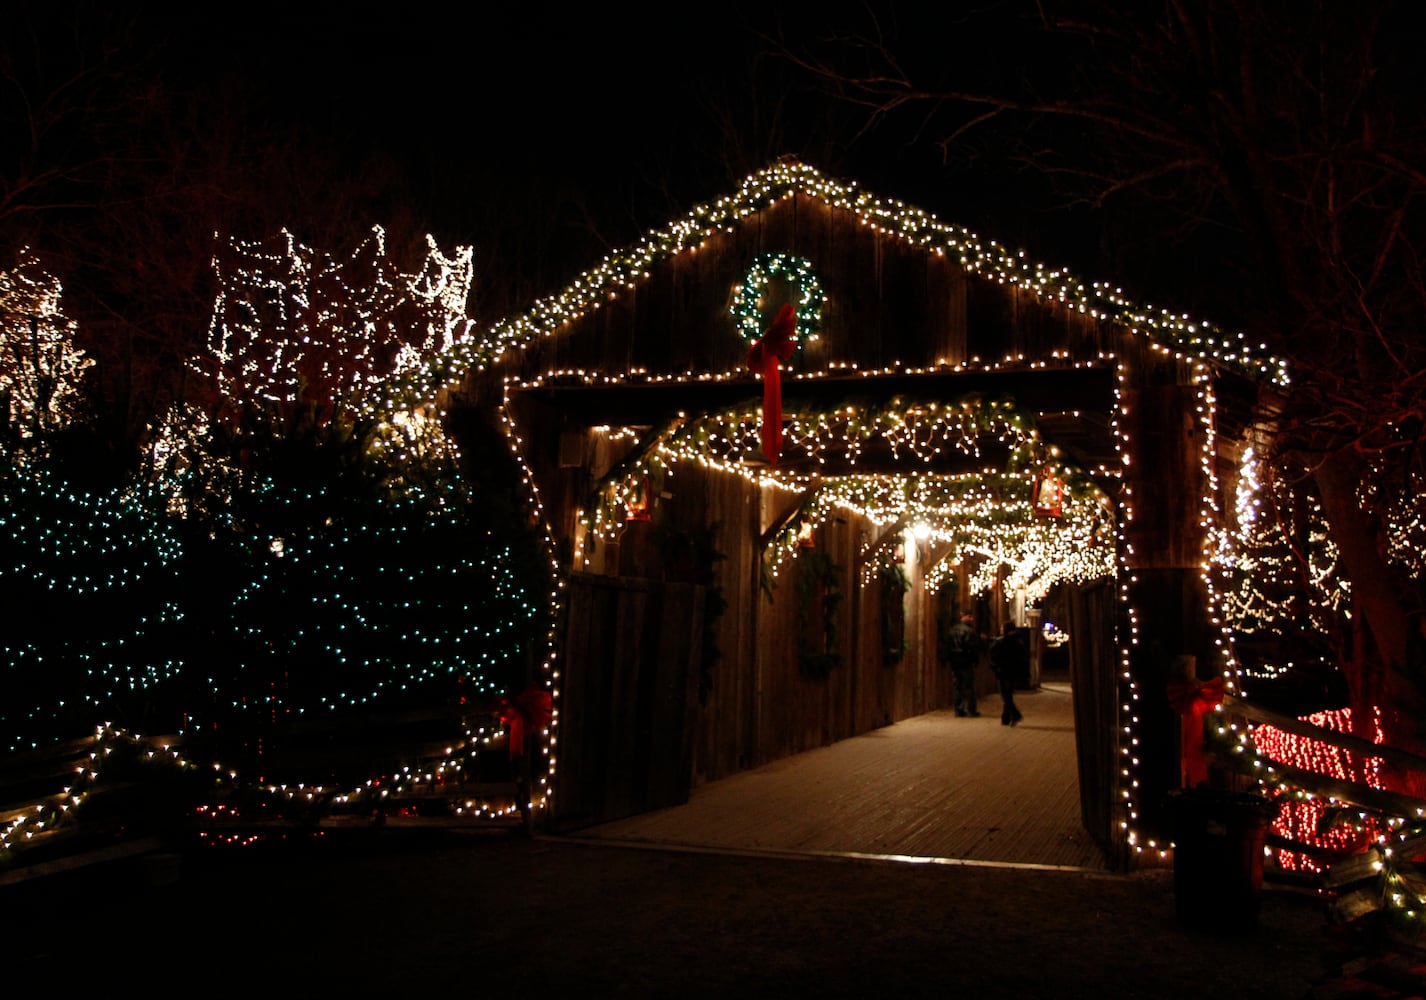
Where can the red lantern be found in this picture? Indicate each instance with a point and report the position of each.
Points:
(805, 537)
(1049, 495)
(636, 508)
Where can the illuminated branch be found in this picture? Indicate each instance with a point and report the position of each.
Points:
(41, 371)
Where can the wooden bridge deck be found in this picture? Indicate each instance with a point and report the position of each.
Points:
(934, 786)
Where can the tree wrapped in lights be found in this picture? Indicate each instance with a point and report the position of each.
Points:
(339, 562)
(1284, 598)
(304, 345)
(89, 576)
(300, 335)
(41, 369)
(94, 609)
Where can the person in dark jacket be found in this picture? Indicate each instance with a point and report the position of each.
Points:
(960, 648)
(1010, 659)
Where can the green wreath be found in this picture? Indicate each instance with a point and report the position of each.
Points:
(818, 583)
(894, 585)
(746, 308)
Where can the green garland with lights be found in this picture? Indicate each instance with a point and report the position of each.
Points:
(622, 271)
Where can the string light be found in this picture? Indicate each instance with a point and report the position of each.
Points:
(622, 271)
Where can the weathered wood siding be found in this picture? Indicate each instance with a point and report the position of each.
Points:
(758, 704)
(1094, 678)
(628, 697)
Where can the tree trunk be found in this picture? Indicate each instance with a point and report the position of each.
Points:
(1379, 674)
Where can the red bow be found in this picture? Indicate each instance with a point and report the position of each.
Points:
(776, 345)
(1191, 699)
(531, 710)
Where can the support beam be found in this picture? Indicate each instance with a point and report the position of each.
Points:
(865, 555)
(1345, 741)
(784, 519)
(647, 443)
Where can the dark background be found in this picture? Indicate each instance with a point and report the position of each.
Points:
(548, 138)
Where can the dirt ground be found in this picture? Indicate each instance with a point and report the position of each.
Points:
(397, 911)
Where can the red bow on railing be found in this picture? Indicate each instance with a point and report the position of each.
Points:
(531, 711)
(1191, 699)
(776, 345)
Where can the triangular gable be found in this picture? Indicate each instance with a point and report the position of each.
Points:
(629, 268)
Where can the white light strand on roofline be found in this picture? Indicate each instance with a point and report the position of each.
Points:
(624, 270)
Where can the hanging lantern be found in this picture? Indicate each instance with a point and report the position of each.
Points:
(636, 508)
(805, 537)
(1049, 495)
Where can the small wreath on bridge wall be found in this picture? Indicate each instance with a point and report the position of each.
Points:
(749, 310)
(894, 585)
(819, 582)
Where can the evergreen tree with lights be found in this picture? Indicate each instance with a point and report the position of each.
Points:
(1284, 598)
(343, 565)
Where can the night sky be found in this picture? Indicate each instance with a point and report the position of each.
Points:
(548, 140)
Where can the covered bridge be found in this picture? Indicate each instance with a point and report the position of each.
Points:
(756, 531)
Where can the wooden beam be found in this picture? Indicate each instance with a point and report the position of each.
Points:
(785, 518)
(1360, 867)
(646, 443)
(1036, 390)
(931, 564)
(1324, 787)
(1076, 402)
(881, 542)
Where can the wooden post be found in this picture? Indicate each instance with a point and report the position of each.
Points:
(1165, 488)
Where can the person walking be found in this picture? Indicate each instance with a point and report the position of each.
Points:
(1010, 660)
(960, 649)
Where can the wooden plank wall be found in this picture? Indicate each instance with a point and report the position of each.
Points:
(760, 706)
(627, 706)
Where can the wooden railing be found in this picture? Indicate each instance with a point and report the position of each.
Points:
(1356, 882)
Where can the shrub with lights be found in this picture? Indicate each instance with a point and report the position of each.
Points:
(345, 564)
(41, 369)
(300, 547)
(90, 577)
(95, 611)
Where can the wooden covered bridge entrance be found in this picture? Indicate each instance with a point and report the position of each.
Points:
(916, 778)
(756, 535)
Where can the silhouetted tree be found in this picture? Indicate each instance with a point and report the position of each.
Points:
(1264, 161)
